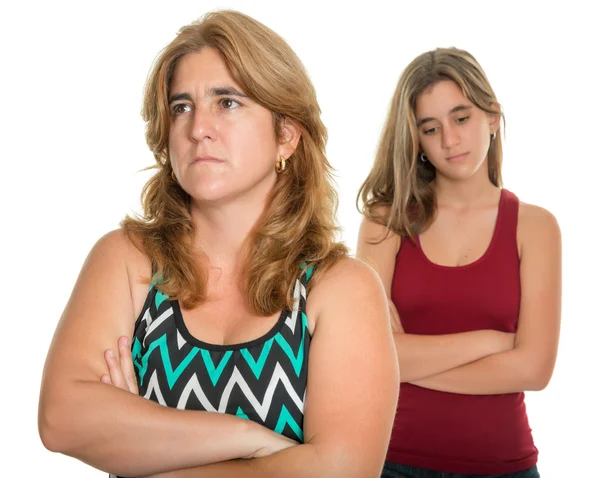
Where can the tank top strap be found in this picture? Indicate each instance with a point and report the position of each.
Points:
(508, 216)
(306, 273)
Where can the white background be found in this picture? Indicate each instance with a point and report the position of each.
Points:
(72, 143)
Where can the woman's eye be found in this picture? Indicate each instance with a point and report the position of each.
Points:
(462, 120)
(179, 109)
(429, 131)
(228, 103)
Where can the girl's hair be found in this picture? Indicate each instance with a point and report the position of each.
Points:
(298, 227)
(398, 193)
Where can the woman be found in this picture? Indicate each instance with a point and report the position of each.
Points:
(238, 286)
(473, 276)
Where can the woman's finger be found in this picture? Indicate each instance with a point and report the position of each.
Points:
(127, 364)
(114, 368)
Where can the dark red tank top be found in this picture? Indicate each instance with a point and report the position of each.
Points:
(448, 432)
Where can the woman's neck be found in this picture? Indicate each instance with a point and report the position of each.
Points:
(222, 231)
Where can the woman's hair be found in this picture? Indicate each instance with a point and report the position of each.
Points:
(399, 193)
(298, 227)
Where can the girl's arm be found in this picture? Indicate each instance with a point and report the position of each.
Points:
(421, 356)
(530, 364)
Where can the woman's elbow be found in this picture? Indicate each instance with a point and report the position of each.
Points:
(54, 428)
(49, 431)
(357, 465)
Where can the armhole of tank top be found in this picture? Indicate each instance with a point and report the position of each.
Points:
(147, 302)
(154, 279)
(515, 233)
(509, 221)
(403, 240)
(304, 278)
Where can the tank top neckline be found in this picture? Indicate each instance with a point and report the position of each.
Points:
(187, 335)
(487, 252)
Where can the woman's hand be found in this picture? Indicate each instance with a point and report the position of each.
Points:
(271, 442)
(120, 367)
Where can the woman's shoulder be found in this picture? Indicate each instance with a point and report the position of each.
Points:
(126, 252)
(123, 246)
(344, 280)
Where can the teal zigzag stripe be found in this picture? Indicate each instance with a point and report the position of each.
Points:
(161, 343)
(240, 413)
(257, 366)
(172, 375)
(286, 417)
(159, 298)
(299, 359)
(215, 372)
(309, 272)
(136, 354)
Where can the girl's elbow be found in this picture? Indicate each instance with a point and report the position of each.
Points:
(539, 377)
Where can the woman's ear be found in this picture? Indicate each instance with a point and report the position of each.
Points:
(289, 137)
(494, 118)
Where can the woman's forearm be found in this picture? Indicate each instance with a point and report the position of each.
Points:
(302, 461)
(127, 435)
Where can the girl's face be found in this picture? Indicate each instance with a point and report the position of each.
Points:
(454, 134)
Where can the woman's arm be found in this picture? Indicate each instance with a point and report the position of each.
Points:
(352, 387)
(530, 364)
(421, 356)
(104, 426)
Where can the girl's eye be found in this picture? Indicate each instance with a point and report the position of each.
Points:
(429, 131)
(180, 109)
(462, 120)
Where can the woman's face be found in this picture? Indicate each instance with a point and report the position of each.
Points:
(454, 134)
(222, 145)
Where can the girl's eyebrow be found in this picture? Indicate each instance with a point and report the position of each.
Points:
(453, 110)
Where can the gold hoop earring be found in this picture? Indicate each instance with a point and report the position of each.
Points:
(173, 175)
(280, 165)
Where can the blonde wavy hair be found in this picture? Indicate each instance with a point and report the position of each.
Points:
(298, 227)
(399, 193)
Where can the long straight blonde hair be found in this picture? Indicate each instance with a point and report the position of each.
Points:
(298, 226)
(399, 192)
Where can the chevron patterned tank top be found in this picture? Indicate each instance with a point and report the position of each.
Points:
(263, 380)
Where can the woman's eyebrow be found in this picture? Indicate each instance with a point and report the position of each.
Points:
(217, 91)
